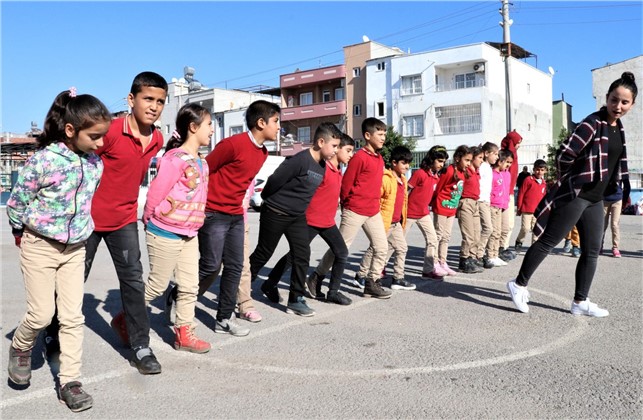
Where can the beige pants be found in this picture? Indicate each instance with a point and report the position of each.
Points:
(494, 239)
(178, 256)
(486, 227)
(527, 223)
(425, 224)
(54, 278)
(508, 222)
(469, 221)
(373, 227)
(443, 226)
(613, 208)
(244, 300)
(397, 247)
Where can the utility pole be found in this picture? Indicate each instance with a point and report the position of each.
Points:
(505, 51)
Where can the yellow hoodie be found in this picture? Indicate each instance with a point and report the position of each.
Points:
(387, 198)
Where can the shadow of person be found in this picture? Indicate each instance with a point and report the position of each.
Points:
(96, 322)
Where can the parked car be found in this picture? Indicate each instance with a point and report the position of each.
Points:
(255, 198)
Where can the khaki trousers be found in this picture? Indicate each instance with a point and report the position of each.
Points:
(178, 256)
(443, 226)
(350, 225)
(494, 239)
(508, 222)
(613, 208)
(469, 221)
(397, 247)
(527, 223)
(486, 228)
(425, 224)
(244, 300)
(54, 276)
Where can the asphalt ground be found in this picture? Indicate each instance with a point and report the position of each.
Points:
(456, 349)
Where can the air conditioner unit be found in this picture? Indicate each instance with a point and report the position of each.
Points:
(478, 67)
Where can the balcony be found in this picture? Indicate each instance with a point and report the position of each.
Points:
(309, 77)
(468, 84)
(324, 109)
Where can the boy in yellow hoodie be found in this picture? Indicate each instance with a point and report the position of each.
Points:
(393, 208)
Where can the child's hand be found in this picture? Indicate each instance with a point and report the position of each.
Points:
(17, 239)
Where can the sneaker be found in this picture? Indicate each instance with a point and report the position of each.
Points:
(497, 262)
(470, 267)
(230, 326)
(145, 361)
(335, 296)
(373, 288)
(478, 262)
(462, 264)
(401, 284)
(520, 296)
(568, 245)
(299, 307)
(73, 395)
(358, 281)
(169, 311)
(186, 340)
(518, 247)
(251, 315)
(445, 267)
(19, 366)
(486, 263)
(588, 308)
(506, 255)
(119, 327)
(272, 293)
(616, 253)
(432, 276)
(576, 252)
(314, 284)
(439, 271)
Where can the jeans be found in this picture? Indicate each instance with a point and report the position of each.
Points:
(334, 240)
(221, 242)
(271, 227)
(588, 218)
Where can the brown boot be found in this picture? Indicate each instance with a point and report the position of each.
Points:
(186, 340)
(373, 288)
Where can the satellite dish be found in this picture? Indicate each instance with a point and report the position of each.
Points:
(551, 70)
(365, 38)
(174, 80)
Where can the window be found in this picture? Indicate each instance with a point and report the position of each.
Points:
(458, 119)
(339, 94)
(357, 71)
(357, 110)
(381, 66)
(236, 129)
(306, 98)
(413, 126)
(303, 134)
(463, 81)
(326, 96)
(411, 85)
(379, 107)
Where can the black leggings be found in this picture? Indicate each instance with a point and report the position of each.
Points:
(588, 218)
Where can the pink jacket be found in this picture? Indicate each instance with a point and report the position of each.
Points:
(177, 195)
(500, 189)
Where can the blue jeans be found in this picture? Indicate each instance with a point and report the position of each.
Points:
(221, 242)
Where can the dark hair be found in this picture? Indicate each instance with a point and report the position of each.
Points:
(371, 125)
(627, 81)
(401, 153)
(489, 147)
(82, 111)
(346, 140)
(503, 154)
(147, 79)
(260, 110)
(461, 151)
(476, 150)
(434, 153)
(188, 114)
(327, 131)
(539, 163)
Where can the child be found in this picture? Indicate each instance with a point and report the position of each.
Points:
(393, 205)
(422, 187)
(615, 196)
(320, 216)
(50, 214)
(286, 196)
(360, 200)
(512, 143)
(128, 147)
(592, 156)
(499, 203)
(531, 192)
(469, 216)
(445, 202)
(572, 243)
(490, 151)
(174, 212)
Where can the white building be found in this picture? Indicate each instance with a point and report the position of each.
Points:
(457, 96)
(602, 78)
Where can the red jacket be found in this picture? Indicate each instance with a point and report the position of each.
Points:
(362, 183)
(530, 194)
(323, 206)
(422, 184)
(509, 142)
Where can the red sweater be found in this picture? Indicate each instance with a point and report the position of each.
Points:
(509, 142)
(448, 192)
(530, 194)
(234, 163)
(115, 203)
(323, 206)
(471, 188)
(362, 183)
(423, 183)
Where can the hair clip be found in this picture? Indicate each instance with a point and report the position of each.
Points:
(72, 92)
(176, 135)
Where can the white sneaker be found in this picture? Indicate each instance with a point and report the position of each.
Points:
(497, 262)
(588, 308)
(519, 294)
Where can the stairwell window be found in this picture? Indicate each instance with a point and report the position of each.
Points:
(357, 72)
(357, 110)
(413, 126)
(381, 66)
(411, 85)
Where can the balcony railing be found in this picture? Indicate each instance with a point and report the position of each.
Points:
(469, 84)
(323, 109)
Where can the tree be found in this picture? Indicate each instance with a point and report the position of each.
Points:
(394, 139)
(552, 173)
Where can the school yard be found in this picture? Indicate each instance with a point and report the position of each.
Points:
(456, 349)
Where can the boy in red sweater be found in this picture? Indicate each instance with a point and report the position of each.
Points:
(360, 200)
(532, 191)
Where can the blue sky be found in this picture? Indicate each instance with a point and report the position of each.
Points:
(99, 47)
